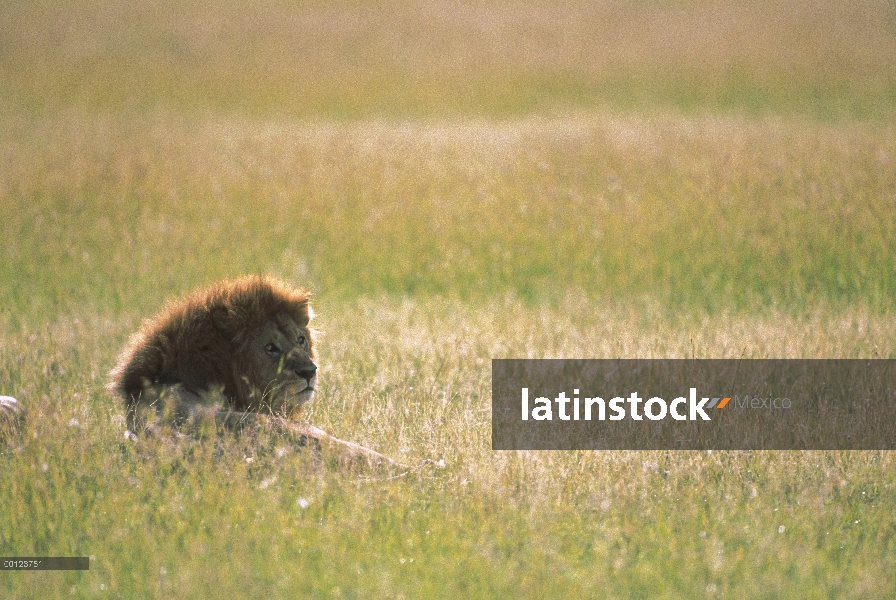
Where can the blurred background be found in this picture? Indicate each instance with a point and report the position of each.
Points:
(361, 58)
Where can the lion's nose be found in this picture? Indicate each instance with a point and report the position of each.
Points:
(307, 372)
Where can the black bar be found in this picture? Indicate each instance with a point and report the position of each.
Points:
(44, 563)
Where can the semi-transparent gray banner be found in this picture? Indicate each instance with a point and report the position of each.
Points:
(45, 563)
(635, 404)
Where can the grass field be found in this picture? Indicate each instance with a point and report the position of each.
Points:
(455, 183)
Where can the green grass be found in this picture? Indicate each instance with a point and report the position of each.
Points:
(700, 213)
(455, 183)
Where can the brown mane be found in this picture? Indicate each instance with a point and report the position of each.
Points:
(200, 341)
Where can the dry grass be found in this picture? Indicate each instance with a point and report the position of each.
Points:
(411, 378)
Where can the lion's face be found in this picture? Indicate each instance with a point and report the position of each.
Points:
(282, 358)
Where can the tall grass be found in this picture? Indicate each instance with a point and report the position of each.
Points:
(410, 378)
(455, 182)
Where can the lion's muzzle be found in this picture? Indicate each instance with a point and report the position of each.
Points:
(304, 368)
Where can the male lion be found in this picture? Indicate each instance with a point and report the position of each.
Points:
(238, 355)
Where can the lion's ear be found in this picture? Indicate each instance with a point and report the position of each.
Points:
(304, 315)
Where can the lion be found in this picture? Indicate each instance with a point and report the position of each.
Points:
(238, 355)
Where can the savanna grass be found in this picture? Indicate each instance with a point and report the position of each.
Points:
(434, 247)
(411, 378)
(455, 183)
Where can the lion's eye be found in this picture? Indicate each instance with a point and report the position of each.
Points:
(302, 341)
(272, 349)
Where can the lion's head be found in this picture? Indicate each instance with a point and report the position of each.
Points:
(276, 363)
(248, 338)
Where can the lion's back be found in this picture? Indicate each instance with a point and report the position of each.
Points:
(180, 346)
